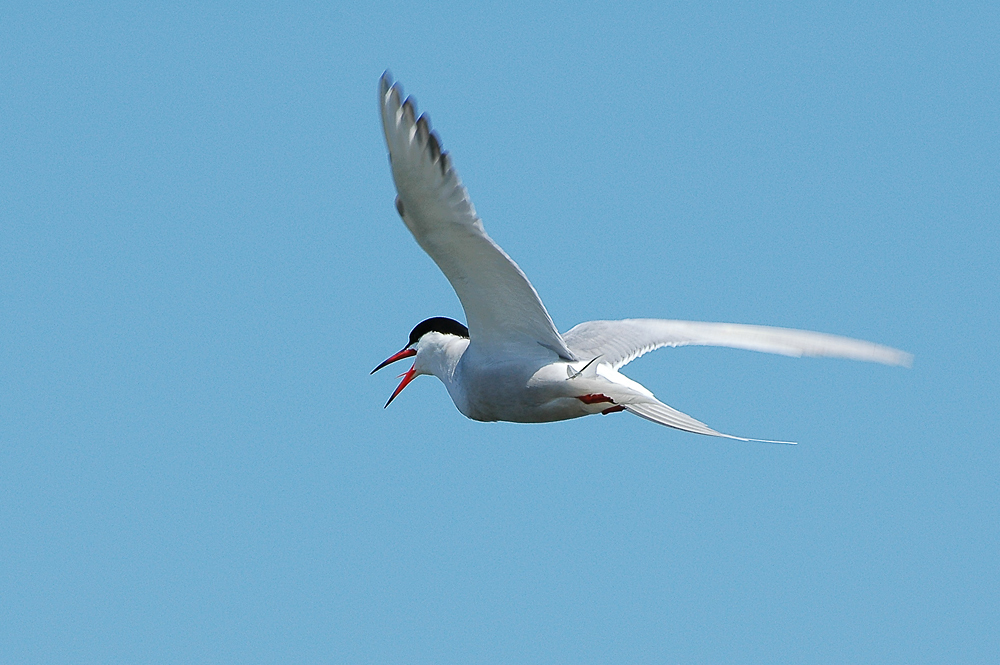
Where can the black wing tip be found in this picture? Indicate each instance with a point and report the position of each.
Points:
(434, 144)
(431, 141)
(388, 87)
(423, 129)
(409, 107)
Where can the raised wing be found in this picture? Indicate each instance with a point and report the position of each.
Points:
(501, 306)
(620, 342)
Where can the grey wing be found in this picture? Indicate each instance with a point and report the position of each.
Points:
(501, 306)
(620, 342)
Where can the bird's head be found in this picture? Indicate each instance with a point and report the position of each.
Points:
(426, 342)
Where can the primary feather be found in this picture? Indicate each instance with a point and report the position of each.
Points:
(501, 306)
(620, 342)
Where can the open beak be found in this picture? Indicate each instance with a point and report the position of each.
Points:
(410, 374)
(407, 377)
(405, 353)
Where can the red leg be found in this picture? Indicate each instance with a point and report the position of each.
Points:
(595, 398)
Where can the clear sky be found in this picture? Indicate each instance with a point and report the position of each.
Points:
(200, 262)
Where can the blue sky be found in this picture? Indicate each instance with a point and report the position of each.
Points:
(200, 263)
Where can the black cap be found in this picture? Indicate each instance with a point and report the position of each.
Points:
(441, 324)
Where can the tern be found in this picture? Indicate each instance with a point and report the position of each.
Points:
(510, 363)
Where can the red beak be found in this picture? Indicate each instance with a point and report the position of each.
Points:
(407, 377)
(410, 373)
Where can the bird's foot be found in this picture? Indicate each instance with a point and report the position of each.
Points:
(594, 398)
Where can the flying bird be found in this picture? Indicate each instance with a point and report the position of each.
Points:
(511, 363)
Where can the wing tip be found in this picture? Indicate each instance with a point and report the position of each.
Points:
(885, 355)
(392, 99)
(387, 86)
(409, 107)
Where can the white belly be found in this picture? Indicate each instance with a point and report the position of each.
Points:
(526, 393)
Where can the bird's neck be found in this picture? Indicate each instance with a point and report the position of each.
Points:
(439, 355)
